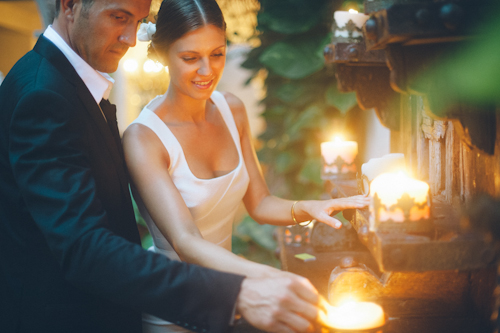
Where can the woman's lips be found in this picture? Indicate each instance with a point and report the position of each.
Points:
(203, 84)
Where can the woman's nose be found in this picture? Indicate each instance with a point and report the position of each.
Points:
(205, 68)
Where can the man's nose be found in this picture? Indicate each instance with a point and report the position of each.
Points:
(129, 36)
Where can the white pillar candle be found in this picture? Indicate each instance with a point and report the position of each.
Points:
(331, 150)
(390, 187)
(343, 17)
(386, 163)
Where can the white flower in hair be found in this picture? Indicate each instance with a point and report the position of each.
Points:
(146, 32)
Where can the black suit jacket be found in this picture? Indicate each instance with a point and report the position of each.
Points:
(70, 259)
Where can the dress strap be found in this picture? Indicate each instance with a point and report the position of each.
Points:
(221, 103)
(149, 119)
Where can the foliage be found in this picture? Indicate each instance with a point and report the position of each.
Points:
(146, 239)
(302, 105)
(255, 242)
(470, 72)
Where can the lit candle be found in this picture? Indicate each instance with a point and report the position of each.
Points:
(331, 151)
(390, 189)
(386, 163)
(355, 316)
(343, 17)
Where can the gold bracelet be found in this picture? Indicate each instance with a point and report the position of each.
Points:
(302, 224)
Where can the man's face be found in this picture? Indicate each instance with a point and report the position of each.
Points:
(102, 33)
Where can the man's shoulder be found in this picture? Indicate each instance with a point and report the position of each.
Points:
(33, 72)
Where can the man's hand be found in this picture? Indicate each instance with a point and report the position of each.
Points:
(284, 302)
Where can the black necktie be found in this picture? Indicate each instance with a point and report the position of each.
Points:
(109, 111)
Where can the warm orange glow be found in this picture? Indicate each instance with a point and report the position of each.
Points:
(355, 315)
(347, 150)
(353, 11)
(337, 138)
(390, 187)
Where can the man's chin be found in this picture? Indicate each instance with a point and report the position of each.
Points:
(109, 67)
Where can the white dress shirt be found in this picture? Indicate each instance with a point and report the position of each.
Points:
(99, 84)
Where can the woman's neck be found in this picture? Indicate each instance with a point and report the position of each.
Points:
(180, 107)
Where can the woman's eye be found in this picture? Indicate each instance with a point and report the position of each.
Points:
(188, 59)
(218, 55)
(119, 18)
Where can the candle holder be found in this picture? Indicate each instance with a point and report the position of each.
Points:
(405, 204)
(338, 170)
(297, 235)
(363, 184)
(354, 34)
(347, 26)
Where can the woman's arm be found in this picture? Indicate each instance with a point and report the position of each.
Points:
(148, 161)
(266, 208)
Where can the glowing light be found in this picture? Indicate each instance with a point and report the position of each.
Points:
(151, 66)
(166, 69)
(390, 189)
(331, 150)
(355, 315)
(352, 11)
(130, 65)
(345, 300)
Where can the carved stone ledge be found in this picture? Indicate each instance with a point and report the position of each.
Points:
(366, 73)
(418, 23)
(354, 54)
(434, 130)
(372, 88)
(415, 35)
(475, 125)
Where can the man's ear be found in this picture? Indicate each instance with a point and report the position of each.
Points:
(68, 8)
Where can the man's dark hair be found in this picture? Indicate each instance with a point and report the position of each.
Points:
(86, 5)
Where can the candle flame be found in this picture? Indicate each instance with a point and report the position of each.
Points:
(353, 11)
(337, 138)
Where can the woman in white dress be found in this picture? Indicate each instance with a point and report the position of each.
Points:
(190, 154)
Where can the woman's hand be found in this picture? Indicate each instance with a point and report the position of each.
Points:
(321, 210)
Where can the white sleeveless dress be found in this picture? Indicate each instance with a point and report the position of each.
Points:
(212, 202)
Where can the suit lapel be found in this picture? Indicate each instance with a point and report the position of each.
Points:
(49, 51)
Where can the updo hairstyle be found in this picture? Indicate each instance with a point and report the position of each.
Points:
(178, 17)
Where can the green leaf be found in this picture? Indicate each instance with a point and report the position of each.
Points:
(307, 119)
(239, 245)
(147, 241)
(311, 172)
(285, 161)
(296, 58)
(260, 234)
(342, 101)
(290, 16)
(276, 112)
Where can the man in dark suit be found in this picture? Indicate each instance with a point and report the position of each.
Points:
(70, 259)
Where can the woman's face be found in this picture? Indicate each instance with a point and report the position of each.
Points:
(196, 61)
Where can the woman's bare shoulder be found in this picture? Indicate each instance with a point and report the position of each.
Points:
(237, 108)
(139, 139)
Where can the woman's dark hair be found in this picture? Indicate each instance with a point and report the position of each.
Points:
(178, 17)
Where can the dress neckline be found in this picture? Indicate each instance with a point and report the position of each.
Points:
(240, 158)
